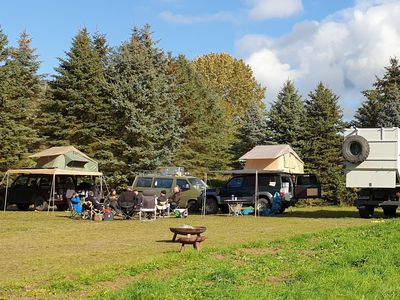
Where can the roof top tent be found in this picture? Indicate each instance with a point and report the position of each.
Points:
(56, 161)
(273, 158)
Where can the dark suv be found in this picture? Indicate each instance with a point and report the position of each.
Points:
(35, 189)
(242, 185)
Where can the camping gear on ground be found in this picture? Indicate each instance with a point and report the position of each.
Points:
(181, 213)
(98, 217)
(108, 216)
(275, 208)
(248, 211)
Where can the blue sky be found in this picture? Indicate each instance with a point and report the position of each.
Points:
(279, 39)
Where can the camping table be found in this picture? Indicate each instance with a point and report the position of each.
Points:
(187, 231)
(235, 206)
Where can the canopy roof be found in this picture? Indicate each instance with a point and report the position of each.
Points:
(269, 152)
(54, 172)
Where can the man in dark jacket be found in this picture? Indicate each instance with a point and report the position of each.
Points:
(174, 199)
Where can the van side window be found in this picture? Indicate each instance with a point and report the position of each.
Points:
(235, 182)
(144, 182)
(267, 180)
(164, 183)
(21, 180)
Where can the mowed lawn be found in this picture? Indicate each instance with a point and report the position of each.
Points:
(53, 256)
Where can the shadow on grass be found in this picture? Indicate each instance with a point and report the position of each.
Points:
(324, 214)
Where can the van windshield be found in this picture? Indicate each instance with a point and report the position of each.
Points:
(197, 183)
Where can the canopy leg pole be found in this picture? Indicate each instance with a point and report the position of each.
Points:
(5, 198)
(101, 187)
(256, 196)
(54, 190)
(49, 201)
(203, 207)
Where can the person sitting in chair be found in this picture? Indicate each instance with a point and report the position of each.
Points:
(174, 199)
(162, 202)
(127, 202)
(76, 203)
(113, 202)
(91, 198)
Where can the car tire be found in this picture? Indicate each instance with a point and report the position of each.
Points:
(23, 206)
(40, 204)
(355, 149)
(389, 211)
(366, 212)
(211, 206)
(263, 203)
(193, 207)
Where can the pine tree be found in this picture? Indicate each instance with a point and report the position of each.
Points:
(322, 141)
(381, 102)
(78, 112)
(20, 95)
(144, 104)
(202, 147)
(286, 117)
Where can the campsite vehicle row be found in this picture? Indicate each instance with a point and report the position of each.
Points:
(244, 183)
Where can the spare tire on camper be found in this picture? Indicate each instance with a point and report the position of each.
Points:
(355, 149)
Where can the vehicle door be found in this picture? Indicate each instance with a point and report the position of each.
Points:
(232, 188)
(248, 188)
(23, 189)
(307, 186)
(187, 191)
(269, 183)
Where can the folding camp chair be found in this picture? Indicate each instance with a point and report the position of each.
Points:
(148, 206)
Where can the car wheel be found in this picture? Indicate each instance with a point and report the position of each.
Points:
(263, 203)
(211, 206)
(23, 206)
(193, 207)
(40, 204)
(389, 211)
(366, 212)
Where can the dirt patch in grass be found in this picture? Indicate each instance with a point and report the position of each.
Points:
(259, 251)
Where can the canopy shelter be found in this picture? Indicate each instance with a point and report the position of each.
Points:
(58, 161)
(274, 158)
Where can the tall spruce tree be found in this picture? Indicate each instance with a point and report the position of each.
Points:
(322, 141)
(144, 104)
(381, 106)
(203, 147)
(286, 117)
(78, 112)
(20, 95)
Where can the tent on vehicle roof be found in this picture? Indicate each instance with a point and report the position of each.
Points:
(273, 158)
(66, 158)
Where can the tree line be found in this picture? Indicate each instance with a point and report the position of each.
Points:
(135, 107)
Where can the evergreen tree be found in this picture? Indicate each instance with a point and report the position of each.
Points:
(203, 147)
(381, 102)
(253, 132)
(20, 94)
(322, 141)
(144, 104)
(286, 117)
(78, 112)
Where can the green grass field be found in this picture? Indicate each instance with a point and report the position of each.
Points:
(305, 253)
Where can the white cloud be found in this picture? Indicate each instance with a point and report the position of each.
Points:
(194, 19)
(345, 51)
(267, 9)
